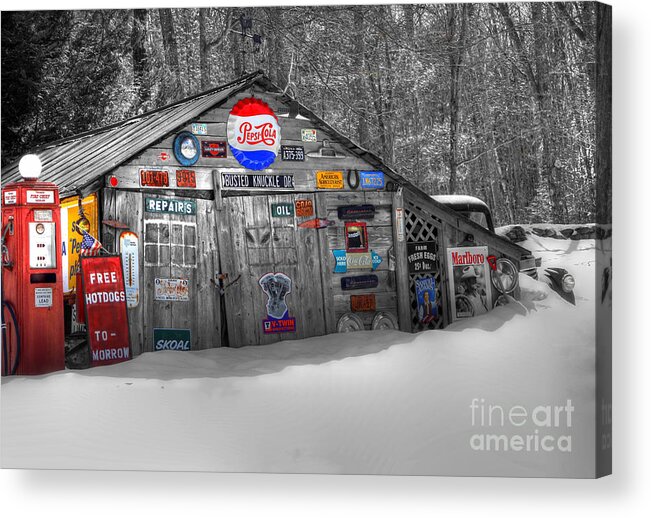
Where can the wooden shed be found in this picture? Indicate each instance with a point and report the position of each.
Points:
(324, 238)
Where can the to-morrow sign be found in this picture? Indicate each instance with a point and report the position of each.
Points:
(105, 307)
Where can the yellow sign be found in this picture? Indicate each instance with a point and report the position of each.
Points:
(71, 237)
(329, 180)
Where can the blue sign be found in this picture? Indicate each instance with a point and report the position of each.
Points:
(358, 261)
(371, 179)
(340, 261)
(426, 299)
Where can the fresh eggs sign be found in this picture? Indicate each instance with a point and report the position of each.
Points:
(253, 133)
(105, 304)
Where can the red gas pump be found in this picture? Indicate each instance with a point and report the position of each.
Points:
(32, 287)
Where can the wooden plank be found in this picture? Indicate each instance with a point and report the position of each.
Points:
(207, 303)
(327, 277)
(152, 157)
(183, 313)
(126, 207)
(128, 175)
(232, 245)
(402, 270)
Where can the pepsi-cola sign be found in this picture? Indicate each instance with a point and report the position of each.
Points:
(253, 133)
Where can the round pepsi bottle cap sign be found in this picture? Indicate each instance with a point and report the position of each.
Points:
(253, 133)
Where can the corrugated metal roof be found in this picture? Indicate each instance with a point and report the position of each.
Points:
(80, 161)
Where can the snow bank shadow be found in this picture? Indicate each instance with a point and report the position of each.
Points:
(225, 362)
(491, 321)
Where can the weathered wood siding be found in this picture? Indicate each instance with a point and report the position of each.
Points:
(236, 235)
(253, 243)
(172, 246)
(380, 240)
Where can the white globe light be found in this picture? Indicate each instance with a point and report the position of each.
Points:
(30, 167)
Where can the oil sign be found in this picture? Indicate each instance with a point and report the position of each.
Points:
(105, 304)
(282, 210)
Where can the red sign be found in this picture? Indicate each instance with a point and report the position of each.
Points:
(362, 302)
(163, 156)
(186, 178)
(105, 305)
(304, 208)
(154, 178)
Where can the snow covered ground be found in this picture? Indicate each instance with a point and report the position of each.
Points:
(368, 402)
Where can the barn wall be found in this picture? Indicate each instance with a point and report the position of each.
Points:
(171, 246)
(236, 235)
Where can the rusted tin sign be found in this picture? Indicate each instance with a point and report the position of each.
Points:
(154, 178)
(304, 208)
(171, 289)
(186, 179)
(362, 302)
(317, 223)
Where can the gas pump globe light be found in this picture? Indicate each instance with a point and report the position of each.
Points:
(30, 167)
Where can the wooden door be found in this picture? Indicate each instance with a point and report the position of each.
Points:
(180, 258)
(254, 242)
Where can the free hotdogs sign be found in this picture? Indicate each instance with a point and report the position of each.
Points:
(105, 306)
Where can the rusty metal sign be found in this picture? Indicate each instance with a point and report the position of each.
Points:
(360, 303)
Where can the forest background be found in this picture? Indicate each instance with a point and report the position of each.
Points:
(507, 102)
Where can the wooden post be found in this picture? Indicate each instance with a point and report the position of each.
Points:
(402, 271)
